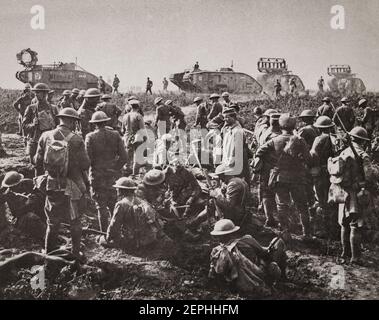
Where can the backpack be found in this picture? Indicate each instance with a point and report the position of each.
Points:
(336, 168)
(56, 156)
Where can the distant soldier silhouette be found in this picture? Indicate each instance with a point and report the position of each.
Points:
(165, 84)
(101, 84)
(149, 85)
(320, 84)
(196, 66)
(116, 83)
(278, 88)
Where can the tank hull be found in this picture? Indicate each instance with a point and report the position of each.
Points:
(216, 81)
(268, 81)
(346, 85)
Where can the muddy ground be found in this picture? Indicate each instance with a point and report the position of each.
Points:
(313, 272)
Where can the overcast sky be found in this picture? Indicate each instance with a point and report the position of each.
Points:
(140, 38)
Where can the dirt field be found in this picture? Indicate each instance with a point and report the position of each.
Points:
(113, 274)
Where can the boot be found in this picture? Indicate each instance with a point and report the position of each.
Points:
(305, 223)
(103, 218)
(355, 245)
(344, 243)
(269, 209)
(76, 236)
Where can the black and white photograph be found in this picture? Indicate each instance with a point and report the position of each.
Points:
(202, 151)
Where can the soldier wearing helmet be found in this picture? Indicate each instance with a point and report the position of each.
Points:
(201, 113)
(291, 156)
(369, 117)
(101, 85)
(344, 116)
(111, 110)
(227, 102)
(21, 104)
(326, 109)
(38, 118)
(87, 109)
(322, 149)
(216, 107)
(65, 101)
(162, 117)
(63, 194)
(177, 115)
(116, 83)
(278, 88)
(74, 98)
(359, 175)
(149, 85)
(308, 132)
(80, 97)
(107, 155)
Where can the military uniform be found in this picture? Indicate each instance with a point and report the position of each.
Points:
(347, 116)
(162, 119)
(45, 114)
(368, 120)
(216, 109)
(112, 111)
(65, 103)
(20, 105)
(74, 99)
(178, 117)
(62, 197)
(288, 177)
(325, 110)
(107, 155)
(201, 115)
(85, 112)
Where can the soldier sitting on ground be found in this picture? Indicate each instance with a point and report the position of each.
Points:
(25, 203)
(243, 262)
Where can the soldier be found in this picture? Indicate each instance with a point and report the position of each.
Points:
(278, 88)
(308, 132)
(74, 98)
(322, 149)
(21, 104)
(63, 191)
(369, 117)
(38, 118)
(153, 188)
(80, 97)
(50, 96)
(288, 178)
(177, 116)
(87, 109)
(25, 204)
(326, 109)
(236, 108)
(116, 83)
(346, 114)
(226, 103)
(101, 85)
(201, 113)
(265, 194)
(196, 67)
(133, 124)
(320, 84)
(262, 124)
(65, 101)
(165, 84)
(216, 107)
(111, 110)
(162, 117)
(107, 156)
(292, 85)
(149, 85)
(231, 197)
(358, 176)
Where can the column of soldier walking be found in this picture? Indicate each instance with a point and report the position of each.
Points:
(78, 145)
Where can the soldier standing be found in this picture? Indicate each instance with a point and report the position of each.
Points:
(74, 98)
(177, 115)
(289, 177)
(369, 118)
(326, 109)
(116, 83)
(21, 104)
(165, 84)
(80, 97)
(111, 110)
(227, 102)
(107, 156)
(149, 85)
(345, 114)
(87, 109)
(101, 85)
(278, 88)
(292, 85)
(63, 192)
(216, 107)
(133, 124)
(308, 132)
(320, 84)
(201, 113)
(162, 117)
(38, 118)
(65, 101)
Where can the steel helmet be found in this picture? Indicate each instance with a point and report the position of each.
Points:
(66, 92)
(269, 111)
(362, 102)
(359, 133)
(307, 113)
(326, 99)
(69, 113)
(11, 179)
(125, 183)
(198, 99)
(154, 177)
(287, 122)
(134, 102)
(92, 93)
(99, 116)
(82, 92)
(258, 111)
(225, 94)
(132, 98)
(106, 97)
(229, 111)
(168, 102)
(75, 90)
(41, 87)
(28, 86)
(345, 99)
(158, 100)
(323, 122)
(214, 96)
(224, 226)
(51, 91)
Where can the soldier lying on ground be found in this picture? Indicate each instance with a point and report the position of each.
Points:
(25, 203)
(243, 262)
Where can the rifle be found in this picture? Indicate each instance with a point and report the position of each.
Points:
(278, 237)
(87, 230)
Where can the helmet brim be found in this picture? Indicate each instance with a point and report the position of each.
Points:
(7, 185)
(221, 233)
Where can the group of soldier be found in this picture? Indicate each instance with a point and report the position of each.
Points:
(81, 145)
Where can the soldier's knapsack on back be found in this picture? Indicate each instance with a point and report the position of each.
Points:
(56, 155)
(336, 169)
